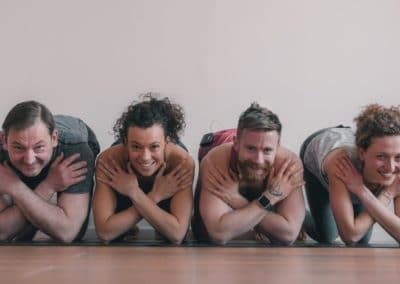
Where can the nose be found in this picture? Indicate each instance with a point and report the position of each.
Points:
(259, 158)
(145, 155)
(395, 166)
(392, 166)
(29, 157)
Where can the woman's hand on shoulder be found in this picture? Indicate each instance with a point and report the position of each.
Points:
(346, 172)
(167, 185)
(121, 180)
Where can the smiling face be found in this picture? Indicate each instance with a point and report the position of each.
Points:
(146, 148)
(381, 160)
(256, 153)
(30, 149)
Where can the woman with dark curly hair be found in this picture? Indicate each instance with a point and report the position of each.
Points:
(351, 178)
(146, 176)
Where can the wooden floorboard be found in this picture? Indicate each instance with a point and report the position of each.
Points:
(103, 264)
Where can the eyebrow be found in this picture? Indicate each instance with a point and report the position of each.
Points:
(16, 143)
(137, 143)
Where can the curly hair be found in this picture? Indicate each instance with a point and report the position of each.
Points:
(376, 121)
(258, 118)
(151, 111)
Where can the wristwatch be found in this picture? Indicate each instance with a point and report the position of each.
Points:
(265, 203)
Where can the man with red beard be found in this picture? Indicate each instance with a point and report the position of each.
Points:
(250, 189)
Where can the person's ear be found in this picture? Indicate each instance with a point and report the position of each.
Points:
(235, 144)
(4, 141)
(361, 154)
(54, 138)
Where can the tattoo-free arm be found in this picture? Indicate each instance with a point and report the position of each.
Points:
(381, 214)
(61, 221)
(352, 228)
(174, 224)
(110, 225)
(12, 219)
(345, 179)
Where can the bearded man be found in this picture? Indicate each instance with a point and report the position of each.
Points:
(250, 189)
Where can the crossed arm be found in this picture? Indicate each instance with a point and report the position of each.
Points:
(227, 215)
(177, 185)
(343, 179)
(61, 221)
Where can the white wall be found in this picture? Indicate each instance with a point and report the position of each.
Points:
(315, 63)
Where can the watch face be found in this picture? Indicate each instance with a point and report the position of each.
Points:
(264, 201)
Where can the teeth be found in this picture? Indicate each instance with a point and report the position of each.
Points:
(386, 175)
(147, 165)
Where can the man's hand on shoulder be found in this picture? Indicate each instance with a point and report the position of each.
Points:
(9, 180)
(224, 185)
(283, 181)
(65, 172)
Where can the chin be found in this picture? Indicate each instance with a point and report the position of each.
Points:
(387, 182)
(31, 173)
(254, 181)
(147, 173)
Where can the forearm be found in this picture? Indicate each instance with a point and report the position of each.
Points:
(12, 221)
(44, 191)
(278, 228)
(14, 218)
(47, 217)
(171, 227)
(235, 223)
(363, 221)
(381, 214)
(5, 201)
(117, 224)
(238, 201)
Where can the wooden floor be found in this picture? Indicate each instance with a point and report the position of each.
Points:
(117, 264)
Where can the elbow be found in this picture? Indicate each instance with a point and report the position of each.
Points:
(177, 238)
(349, 242)
(4, 237)
(65, 238)
(103, 236)
(176, 241)
(67, 235)
(219, 238)
(349, 239)
(287, 239)
(220, 241)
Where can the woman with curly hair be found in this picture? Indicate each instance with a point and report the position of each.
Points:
(147, 175)
(351, 178)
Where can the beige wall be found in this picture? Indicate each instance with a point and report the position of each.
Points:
(315, 63)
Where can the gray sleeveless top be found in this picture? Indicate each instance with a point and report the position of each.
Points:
(322, 144)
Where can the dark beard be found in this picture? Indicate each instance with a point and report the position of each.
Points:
(251, 192)
(248, 177)
(251, 185)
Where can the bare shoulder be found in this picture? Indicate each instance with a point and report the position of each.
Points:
(117, 153)
(219, 157)
(330, 160)
(283, 154)
(174, 155)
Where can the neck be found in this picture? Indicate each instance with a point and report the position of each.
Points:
(373, 186)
